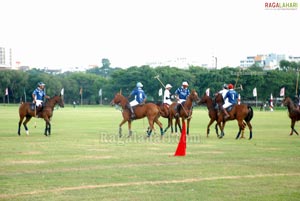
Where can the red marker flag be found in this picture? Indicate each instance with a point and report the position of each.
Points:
(181, 148)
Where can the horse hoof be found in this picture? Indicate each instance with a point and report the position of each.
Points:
(27, 132)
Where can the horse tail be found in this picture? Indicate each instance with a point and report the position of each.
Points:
(250, 114)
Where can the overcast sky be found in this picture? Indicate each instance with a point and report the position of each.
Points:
(68, 33)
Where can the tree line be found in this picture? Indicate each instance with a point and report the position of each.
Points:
(85, 86)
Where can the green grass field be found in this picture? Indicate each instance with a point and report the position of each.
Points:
(84, 159)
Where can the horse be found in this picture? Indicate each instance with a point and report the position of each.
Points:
(242, 113)
(212, 112)
(186, 110)
(294, 113)
(164, 109)
(149, 110)
(25, 110)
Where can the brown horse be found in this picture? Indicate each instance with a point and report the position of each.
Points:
(149, 110)
(46, 113)
(212, 112)
(165, 113)
(186, 109)
(294, 113)
(242, 113)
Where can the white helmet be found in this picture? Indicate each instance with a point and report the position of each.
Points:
(168, 86)
(185, 84)
(139, 85)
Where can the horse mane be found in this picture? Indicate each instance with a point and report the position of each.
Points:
(219, 97)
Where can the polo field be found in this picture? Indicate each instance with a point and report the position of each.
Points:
(85, 159)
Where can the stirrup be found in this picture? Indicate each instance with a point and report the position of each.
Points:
(226, 117)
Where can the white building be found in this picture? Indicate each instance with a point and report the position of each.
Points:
(267, 61)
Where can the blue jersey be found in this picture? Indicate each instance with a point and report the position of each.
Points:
(182, 92)
(232, 97)
(39, 94)
(139, 95)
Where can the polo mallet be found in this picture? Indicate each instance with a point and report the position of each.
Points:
(240, 87)
(157, 77)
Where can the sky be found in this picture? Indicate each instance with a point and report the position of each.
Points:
(64, 33)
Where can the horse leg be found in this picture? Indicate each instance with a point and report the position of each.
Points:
(160, 126)
(129, 129)
(209, 124)
(250, 128)
(46, 128)
(241, 128)
(151, 126)
(188, 126)
(177, 123)
(169, 124)
(172, 127)
(221, 125)
(238, 135)
(25, 124)
(120, 127)
(293, 128)
(49, 128)
(19, 127)
(217, 130)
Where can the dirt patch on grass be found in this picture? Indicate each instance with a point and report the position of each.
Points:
(30, 153)
(160, 182)
(97, 157)
(27, 162)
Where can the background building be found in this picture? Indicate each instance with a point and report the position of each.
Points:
(5, 58)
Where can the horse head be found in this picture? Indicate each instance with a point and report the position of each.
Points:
(59, 100)
(287, 101)
(194, 96)
(118, 99)
(204, 99)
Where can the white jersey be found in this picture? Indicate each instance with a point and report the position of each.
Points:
(224, 92)
(167, 97)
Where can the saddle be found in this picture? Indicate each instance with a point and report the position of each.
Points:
(38, 110)
(229, 108)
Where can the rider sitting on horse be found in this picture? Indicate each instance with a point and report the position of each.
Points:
(232, 97)
(181, 94)
(167, 94)
(38, 96)
(139, 98)
(167, 99)
(223, 92)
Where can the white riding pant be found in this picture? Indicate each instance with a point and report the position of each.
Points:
(227, 104)
(181, 100)
(38, 103)
(133, 103)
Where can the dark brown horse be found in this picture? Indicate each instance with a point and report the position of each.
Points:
(212, 112)
(186, 109)
(25, 110)
(294, 113)
(165, 113)
(149, 110)
(242, 113)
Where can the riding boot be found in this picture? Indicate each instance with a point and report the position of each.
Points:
(226, 114)
(177, 109)
(39, 111)
(131, 111)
